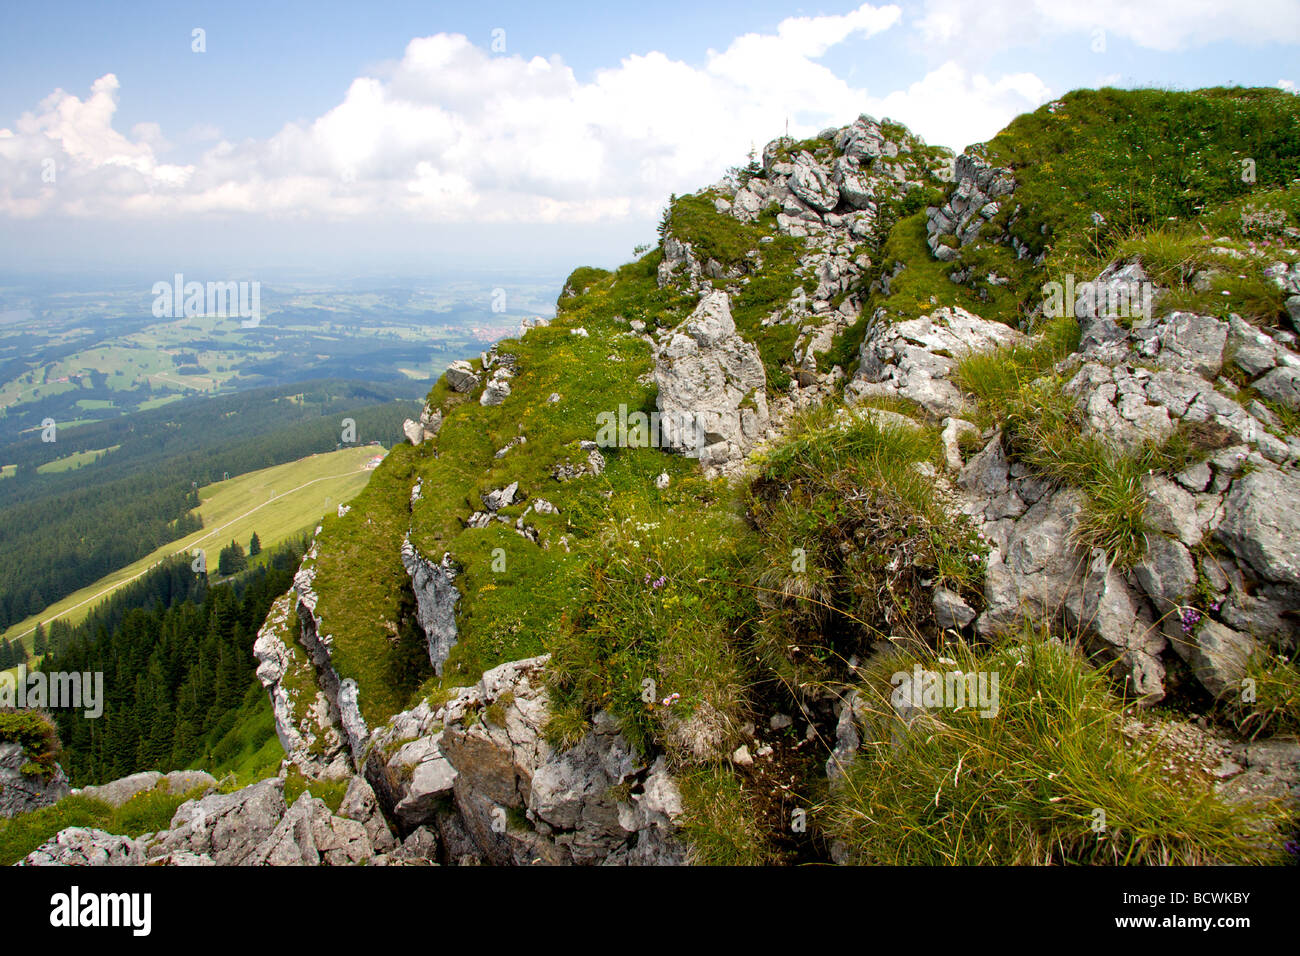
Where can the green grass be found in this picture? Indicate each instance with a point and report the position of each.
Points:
(852, 541)
(1140, 157)
(39, 739)
(1274, 685)
(331, 791)
(714, 235)
(147, 812)
(1025, 787)
(1156, 165)
(76, 460)
(996, 377)
(717, 820)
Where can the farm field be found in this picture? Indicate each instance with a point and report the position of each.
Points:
(277, 503)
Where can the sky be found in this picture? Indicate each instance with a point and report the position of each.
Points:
(412, 138)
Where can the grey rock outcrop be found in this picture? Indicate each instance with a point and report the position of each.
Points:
(480, 771)
(1261, 523)
(20, 792)
(227, 827)
(915, 359)
(117, 792)
(306, 718)
(436, 596)
(712, 401)
(461, 376)
(86, 846)
(970, 205)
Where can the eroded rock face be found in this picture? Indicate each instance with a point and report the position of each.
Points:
(20, 793)
(1261, 523)
(916, 359)
(969, 206)
(306, 718)
(712, 400)
(435, 598)
(250, 827)
(117, 792)
(461, 376)
(811, 182)
(227, 827)
(518, 800)
(85, 846)
(310, 835)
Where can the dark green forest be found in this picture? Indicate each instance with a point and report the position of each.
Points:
(60, 532)
(177, 658)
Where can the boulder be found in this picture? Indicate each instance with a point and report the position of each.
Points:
(1216, 653)
(84, 846)
(1261, 524)
(20, 792)
(118, 792)
(712, 401)
(950, 610)
(812, 183)
(228, 827)
(461, 376)
(427, 778)
(1282, 385)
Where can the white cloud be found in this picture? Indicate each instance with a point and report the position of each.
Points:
(451, 132)
(976, 30)
(955, 107)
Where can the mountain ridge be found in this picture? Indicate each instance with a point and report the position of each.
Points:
(520, 644)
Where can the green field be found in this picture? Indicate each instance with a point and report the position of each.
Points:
(76, 460)
(7, 470)
(277, 503)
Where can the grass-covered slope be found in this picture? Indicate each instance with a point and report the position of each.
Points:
(1101, 173)
(705, 612)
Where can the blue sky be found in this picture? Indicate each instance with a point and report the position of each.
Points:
(381, 136)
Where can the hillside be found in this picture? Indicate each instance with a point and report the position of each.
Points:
(63, 528)
(898, 507)
(276, 503)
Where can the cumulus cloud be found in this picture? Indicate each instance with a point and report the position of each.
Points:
(452, 132)
(978, 30)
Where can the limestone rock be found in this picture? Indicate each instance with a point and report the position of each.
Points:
(83, 846)
(461, 376)
(712, 400)
(950, 610)
(1261, 524)
(812, 183)
(20, 793)
(117, 792)
(915, 359)
(228, 827)
(436, 596)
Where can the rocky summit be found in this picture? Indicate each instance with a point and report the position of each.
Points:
(950, 513)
